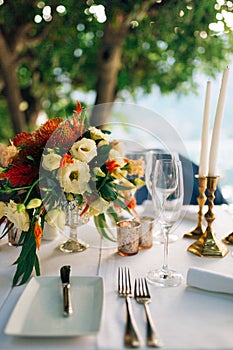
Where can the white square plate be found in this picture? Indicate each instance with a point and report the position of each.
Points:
(39, 310)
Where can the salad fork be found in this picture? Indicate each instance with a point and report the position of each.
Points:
(142, 296)
(131, 337)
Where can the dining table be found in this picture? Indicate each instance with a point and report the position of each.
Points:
(185, 317)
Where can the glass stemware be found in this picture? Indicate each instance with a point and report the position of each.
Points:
(74, 219)
(167, 196)
(151, 157)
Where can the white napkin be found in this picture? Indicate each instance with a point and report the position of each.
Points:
(209, 280)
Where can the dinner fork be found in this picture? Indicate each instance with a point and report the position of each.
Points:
(142, 296)
(131, 337)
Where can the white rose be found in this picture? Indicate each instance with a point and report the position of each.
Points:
(51, 161)
(84, 150)
(74, 177)
(56, 218)
(20, 219)
(2, 209)
(97, 134)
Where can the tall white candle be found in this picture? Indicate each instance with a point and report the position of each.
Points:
(204, 157)
(217, 125)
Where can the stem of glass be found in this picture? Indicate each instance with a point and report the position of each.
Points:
(165, 229)
(73, 232)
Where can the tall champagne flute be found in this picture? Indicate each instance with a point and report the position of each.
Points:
(152, 156)
(167, 196)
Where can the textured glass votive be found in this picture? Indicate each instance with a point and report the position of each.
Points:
(147, 230)
(128, 234)
(13, 237)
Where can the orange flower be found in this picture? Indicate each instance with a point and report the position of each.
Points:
(67, 159)
(38, 234)
(78, 116)
(85, 210)
(112, 165)
(78, 108)
(131, 204)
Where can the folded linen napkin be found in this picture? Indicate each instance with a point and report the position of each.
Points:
(209, 280)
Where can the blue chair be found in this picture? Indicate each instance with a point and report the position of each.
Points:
(190, 169)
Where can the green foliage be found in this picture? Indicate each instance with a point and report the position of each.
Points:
(27, 259)
(166, 43)
(6, 131)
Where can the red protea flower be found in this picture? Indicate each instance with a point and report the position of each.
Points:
(65, 135)
(21, 139)
(42, 135)
(31, 145)
(39, 137)
(21, 174)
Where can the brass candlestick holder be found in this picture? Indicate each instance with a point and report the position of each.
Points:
(228, 239)
(201, 199)
(208, 245)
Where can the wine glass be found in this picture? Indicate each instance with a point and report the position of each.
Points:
(167, 196)
(152, 156)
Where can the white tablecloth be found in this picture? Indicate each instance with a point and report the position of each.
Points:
(185, 317)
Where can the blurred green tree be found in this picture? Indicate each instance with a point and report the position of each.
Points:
(50, 48)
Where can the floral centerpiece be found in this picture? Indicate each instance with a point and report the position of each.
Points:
(62, 160)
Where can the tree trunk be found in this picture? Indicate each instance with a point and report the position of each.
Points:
(108, 66)
(13, 95)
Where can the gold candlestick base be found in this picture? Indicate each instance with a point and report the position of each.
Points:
(228, 239)
(208, 245)
(201, 199)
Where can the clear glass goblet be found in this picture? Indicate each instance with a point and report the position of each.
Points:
(74, 219)
(167, 196)
(151, 157)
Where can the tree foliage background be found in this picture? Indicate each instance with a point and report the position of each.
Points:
(49, 49)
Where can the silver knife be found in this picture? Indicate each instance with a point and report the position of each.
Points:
(65, 278)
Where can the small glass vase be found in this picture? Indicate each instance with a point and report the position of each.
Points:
(74, 219)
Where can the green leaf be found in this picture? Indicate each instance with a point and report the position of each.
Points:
(37, 266)
(104, 131)
(122, 205)
(108, 192)
(6, 230)
(30, 158)
(102, 157)
(78, 198)
(27, 259)
(103, 228)
(123, 188)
